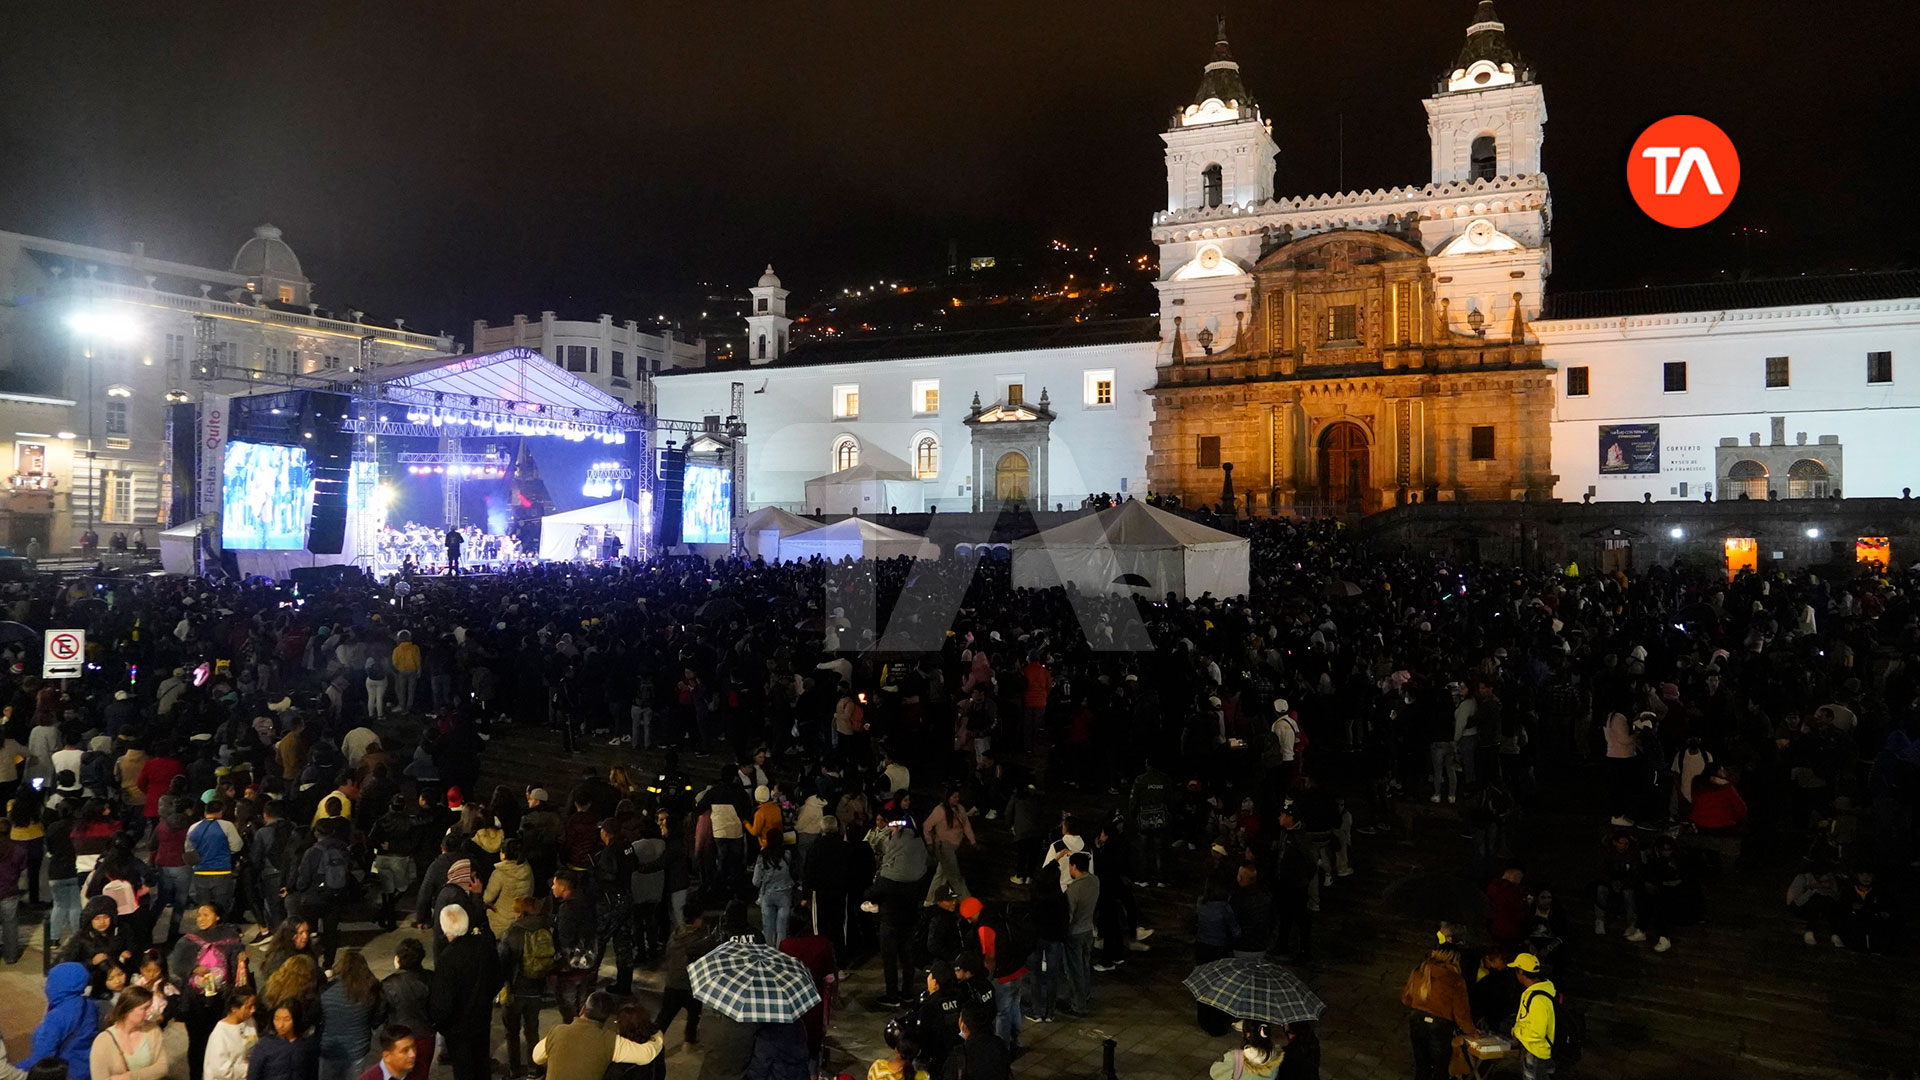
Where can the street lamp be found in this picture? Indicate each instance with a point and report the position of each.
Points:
(93, 325)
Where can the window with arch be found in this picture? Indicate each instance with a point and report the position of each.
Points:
(846, 452)
(1483, 158)
(926, 456)
(1746, 477)
(1213, 186)
(762, 354)
(1808, 479)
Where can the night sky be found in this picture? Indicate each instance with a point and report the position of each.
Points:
(450, 161)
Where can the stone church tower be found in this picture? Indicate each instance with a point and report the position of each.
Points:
(1351, 351)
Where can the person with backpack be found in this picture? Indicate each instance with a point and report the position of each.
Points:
(323, 883)
(210, 849)
(527, 956)
(271, 858)
(207, 961)
(1536, 1026)
(1004, 940)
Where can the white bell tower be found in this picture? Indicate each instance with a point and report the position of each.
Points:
(1487, 113)
(1220, 151)
(767, 322)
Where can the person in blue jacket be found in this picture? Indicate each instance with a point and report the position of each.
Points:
(67, 1031)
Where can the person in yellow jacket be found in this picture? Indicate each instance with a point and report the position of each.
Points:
(1533, 1026)
(406, 670)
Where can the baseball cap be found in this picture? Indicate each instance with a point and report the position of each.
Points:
(538, 794)
(1526, 962)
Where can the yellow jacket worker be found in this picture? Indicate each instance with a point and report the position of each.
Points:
(1533, 1026)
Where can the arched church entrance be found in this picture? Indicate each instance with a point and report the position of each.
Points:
(1344, 465)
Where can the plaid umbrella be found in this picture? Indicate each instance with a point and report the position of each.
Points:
(1254, 990)
(751, 984)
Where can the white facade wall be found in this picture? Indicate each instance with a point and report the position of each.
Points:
(640, 354)
(791, 427)
(1878, 424)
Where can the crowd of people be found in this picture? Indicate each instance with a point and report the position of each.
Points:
(242, 761)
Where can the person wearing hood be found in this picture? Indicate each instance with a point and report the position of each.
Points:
(511, 879)
(482, 847)
(66, 1031)
(100, 942)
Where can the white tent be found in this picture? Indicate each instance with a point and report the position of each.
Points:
(560, 533)
(176, 546)
(856, 538)
(766, 527)
(1134, 548)
(880, 484)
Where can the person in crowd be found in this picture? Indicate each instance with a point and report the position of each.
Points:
(1083, 901)
(67, 1028)
(399, 1053)
(347, 1009)
(1438, 1006)
(773, 876)
(207, 961)
(232, 1037)
(297, 982)
(406, 999)
(693, 940)
(466, 977)
(290, 1052)
(130, 1047)
(982, 1055)
(511, 880)
(293, 937)
(1257, 1056)
(1535, 1025)
(903, 1056)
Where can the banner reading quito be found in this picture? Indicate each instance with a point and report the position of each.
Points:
(1626, 449)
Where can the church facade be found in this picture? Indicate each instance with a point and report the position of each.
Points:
(1348, 352)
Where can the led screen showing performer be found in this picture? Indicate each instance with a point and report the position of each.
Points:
(266, 497)
(706, 505)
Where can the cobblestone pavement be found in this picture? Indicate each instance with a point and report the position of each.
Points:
(1740, 997)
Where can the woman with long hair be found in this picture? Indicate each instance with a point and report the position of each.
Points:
(511, 880)
(290, 1052)
(25, 827)
(774, 878)
(297, 981)
(129, 1047)
(346, 1017)
(293, 938)
(900, 1064)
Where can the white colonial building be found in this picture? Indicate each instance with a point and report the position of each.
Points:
(123, 334)
(1794, 388)
(1062, 409)
(619, 359)
(1785, 388)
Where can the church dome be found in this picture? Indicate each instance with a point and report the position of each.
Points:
(768, 280)
(266, 257)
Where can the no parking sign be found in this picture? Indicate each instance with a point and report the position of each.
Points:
(65, 653)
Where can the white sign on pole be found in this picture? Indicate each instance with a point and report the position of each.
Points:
(64, 655)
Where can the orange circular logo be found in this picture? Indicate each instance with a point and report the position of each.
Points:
(1683, 171)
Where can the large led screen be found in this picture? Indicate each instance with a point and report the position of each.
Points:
(706, 505)
(266, 497)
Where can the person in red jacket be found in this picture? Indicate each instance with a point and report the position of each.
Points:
(1507, 908)
(155, 777)
(1034, 699)
(1717, 805)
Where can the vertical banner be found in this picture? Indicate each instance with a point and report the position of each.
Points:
(209, 476)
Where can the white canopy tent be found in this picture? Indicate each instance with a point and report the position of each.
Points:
(176, 546)
(560, 533)
(1134, 548)
(880, 484)
(766, 527)
(856, 538)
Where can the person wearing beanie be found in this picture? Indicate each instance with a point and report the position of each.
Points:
(462, 890)
(767, 819)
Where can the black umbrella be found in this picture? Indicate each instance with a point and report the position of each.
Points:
(1134, 580)
(720, 608)
(11, 632)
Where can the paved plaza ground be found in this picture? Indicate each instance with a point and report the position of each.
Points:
(1741, 997)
